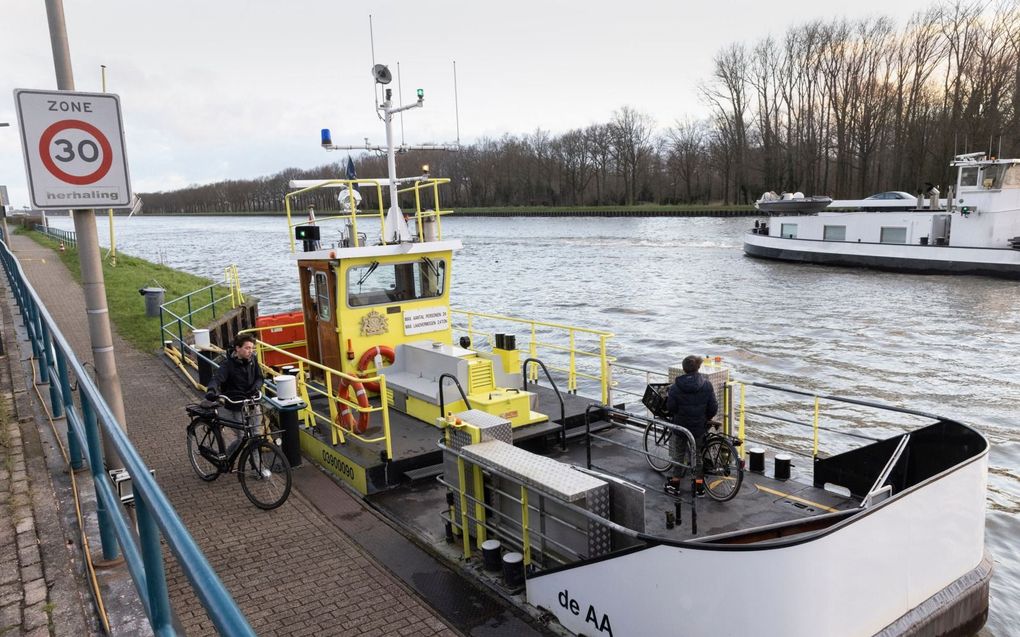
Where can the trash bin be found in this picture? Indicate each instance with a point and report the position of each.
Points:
(153, 299)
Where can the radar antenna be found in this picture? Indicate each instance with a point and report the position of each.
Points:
(382, 74)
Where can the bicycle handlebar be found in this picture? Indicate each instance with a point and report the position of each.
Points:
(253, 400)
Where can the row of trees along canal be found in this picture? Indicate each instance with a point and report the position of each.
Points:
(843, 108)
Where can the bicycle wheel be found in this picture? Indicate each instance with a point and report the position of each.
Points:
(205, 443)
(722, 470)
(264, 474)
(656, 442)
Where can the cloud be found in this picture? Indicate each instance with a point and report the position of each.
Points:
(234, 89)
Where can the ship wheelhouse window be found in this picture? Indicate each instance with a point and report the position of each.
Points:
(968, 176)
(991, 176)
(321, 290)
(893, 235)
(385, 283)
(788, 230)
(1012, 177)
(834, 233)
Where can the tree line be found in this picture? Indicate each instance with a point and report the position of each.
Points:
(840, 107)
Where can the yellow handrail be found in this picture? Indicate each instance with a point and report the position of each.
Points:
(740, 430)
(233, 281)
(814, 447)
(436, 211)
(352, 216)
(525, 535)
(572, 350)
(306, 389)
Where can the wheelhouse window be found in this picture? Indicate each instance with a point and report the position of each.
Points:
(788, 230)
(1012, 177)
(968, 176)
(992, 176)
(893, 235)
(321, 288)
(379, 284)
(834, 233)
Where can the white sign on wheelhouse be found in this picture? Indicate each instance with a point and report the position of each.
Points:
(74, 149)
(428, 319)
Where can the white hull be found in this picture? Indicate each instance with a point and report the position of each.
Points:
(853, 579)
(975, 233)
(1002, 262)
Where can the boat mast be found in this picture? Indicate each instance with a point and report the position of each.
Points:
(394, 228)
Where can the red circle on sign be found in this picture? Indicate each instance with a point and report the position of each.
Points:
(83, 180)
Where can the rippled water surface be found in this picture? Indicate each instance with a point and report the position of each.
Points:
(668, 287)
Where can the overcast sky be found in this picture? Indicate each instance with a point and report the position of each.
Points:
(235, 89)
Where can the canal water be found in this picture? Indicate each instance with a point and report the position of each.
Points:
(669, 287)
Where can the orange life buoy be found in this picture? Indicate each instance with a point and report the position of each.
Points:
(345, 417)
(366, 359)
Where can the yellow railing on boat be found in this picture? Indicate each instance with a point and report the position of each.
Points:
(308, 390)
(351, 216)
(571, 356)
(421, 216)
(805, 409)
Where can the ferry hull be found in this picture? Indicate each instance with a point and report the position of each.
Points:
(918, 259)
(901, 561)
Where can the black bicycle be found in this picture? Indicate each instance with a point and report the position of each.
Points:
(720, 463)
(262, 468)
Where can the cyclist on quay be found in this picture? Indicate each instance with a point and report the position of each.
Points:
(238, 378)
(691, 403)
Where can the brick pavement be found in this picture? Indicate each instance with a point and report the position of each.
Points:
(40, 567)
(290, 570)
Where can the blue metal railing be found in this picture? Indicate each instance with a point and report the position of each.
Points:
(156, 517)
(67, 236)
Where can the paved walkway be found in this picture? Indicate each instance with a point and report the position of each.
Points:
(291, 570)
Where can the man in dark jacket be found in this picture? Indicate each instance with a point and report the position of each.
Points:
(691, 404)
(238, 378)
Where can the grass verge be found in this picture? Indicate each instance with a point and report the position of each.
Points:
(127, 306)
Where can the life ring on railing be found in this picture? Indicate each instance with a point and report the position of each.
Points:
(366, 359)
(345, 417)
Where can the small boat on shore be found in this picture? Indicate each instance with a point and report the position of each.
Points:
(791, 203)
(975, 231)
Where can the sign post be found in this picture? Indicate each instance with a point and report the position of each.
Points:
(4, 201)
(92, 282)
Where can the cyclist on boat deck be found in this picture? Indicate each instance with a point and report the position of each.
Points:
(691, 403)
(238, 377)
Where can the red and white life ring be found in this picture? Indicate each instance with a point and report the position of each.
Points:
(345, 417)
(369, 355)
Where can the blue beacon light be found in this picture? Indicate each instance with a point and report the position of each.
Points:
(327, 139)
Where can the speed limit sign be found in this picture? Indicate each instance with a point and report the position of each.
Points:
(74, 149)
